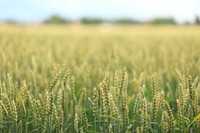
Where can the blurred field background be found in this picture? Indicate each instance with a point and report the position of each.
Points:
(80, 66)
(143, 50)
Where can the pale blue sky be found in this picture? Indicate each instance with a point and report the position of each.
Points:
(36, 10)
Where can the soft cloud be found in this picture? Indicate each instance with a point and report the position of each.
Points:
(140, 9)
(179, 9)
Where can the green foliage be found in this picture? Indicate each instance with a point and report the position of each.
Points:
(196, 118)
(89, 20)
(197, 20)
(126, 21)
(163, 21)
(11, 21)
(56, 19)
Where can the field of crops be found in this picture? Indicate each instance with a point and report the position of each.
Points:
(105, 78)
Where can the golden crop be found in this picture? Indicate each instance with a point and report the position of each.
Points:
(102, 78)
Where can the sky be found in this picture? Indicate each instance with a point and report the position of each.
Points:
(38, 10)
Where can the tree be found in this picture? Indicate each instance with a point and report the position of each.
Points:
(11, 21)
(126, 21)
(169, 20)
(197, 20)
(56, 19)
(88, 20)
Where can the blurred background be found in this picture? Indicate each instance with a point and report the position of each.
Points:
(174, 12)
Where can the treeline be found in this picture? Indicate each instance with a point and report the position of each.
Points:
(57, 19)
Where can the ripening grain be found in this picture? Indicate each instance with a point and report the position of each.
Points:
(104, 78)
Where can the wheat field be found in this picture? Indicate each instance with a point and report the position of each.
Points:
(99, 78)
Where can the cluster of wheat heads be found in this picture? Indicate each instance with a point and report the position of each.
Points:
(107, 108)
